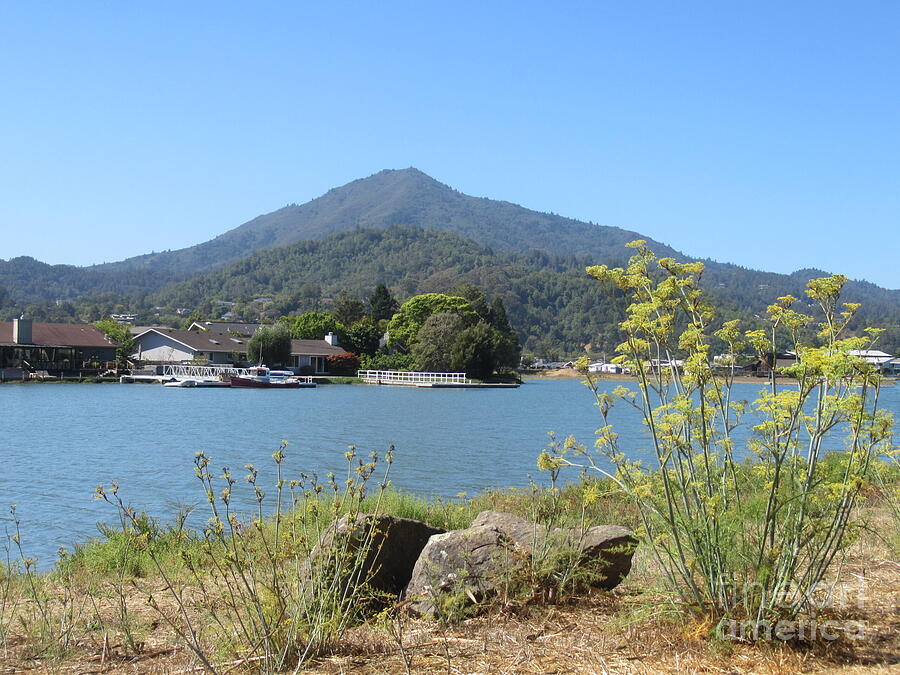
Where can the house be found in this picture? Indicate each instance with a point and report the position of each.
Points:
(727, 364)
(883, 362)
(891, 367)
(873, 356)
(58, 348)
(170, 346)
(764, 366)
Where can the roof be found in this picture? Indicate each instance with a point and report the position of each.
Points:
(314, 348)
(137, 330)
(208, 341)
(202, 341)
(59, 335)
(247, 329)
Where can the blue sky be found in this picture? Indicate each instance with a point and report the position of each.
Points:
(765, 134)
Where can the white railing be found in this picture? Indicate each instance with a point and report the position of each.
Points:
(404, 377)
(205, 372)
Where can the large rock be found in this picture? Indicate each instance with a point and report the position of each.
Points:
(605, 549)
(467, 566)
(608, 550)
(462, 563)
(395, 546)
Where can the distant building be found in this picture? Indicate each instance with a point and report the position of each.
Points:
(123, 318)
(883, 362)
(764, 366)
(58, 348)
(235, 327)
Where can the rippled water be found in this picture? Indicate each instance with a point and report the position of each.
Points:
(61, 441)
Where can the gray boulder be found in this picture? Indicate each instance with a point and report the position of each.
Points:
(462, 563)
(394, 548)
(470, 565)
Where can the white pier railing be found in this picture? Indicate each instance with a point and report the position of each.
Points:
(216, 373)
(203, 372)
(404, 377)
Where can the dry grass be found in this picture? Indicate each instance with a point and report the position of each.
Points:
(630, 630)
(626, 631)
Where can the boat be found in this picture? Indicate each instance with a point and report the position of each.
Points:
(195, 382)
(261, 377)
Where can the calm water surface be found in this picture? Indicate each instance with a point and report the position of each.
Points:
(61, 441)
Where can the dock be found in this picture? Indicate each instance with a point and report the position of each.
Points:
(404, 378)
(202, 376)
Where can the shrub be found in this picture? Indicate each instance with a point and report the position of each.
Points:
(745, 533)
(342, 364)
(383, 361)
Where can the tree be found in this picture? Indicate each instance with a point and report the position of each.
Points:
(313, 326)
(507, 347)
(119, 333)
(433, 350)
(347, 309)
(383, 304)
(404, 327)
(473, 351)
(270, 345)
(476, 298)
(363, 337)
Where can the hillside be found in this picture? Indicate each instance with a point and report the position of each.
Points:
(550, 300)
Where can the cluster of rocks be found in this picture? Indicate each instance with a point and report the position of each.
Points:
(422, 564)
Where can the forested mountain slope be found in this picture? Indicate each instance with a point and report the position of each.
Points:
(550, 300)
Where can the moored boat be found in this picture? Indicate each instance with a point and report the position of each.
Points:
(261, 377)
(196, 382)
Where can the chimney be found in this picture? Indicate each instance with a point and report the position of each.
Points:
(22, 331)
(331, 339)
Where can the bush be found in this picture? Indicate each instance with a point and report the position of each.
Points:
(740, 533)
(383, 361)
(342, 364)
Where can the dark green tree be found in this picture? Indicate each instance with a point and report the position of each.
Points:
(498, 319)
(362, 337)
(433, 350)
(476, 298)
(473, 351)
(270, 345)
(347, 309)
(383, 304)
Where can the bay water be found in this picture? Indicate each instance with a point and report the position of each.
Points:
(60, 441)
